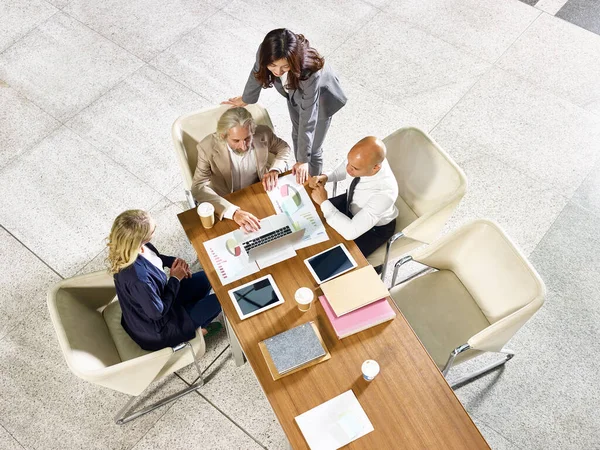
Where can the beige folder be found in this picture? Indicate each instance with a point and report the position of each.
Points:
(354, 290)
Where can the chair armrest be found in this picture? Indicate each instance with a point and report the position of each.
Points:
(494, 337)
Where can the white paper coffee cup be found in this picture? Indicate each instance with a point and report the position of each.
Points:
(370, 369)
(304, 297)
(206, 211)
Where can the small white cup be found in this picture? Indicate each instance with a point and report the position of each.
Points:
(370, 369)
(206, 211)
(304, 297)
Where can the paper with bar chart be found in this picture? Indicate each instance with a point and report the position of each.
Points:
(292, 199)
(229, 258)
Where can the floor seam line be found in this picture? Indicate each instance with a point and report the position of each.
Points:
(231, 420)
(32, 252)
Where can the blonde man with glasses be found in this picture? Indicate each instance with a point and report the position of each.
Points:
(158, 311)
(239, 154)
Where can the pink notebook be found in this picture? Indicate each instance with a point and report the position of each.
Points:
(360, 319)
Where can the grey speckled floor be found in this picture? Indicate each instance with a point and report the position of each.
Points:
(89, 88)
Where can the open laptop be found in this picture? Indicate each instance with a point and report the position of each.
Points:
(274, 242)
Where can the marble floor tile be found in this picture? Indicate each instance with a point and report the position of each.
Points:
(485, 28)
(16, 115)
(7, 442)
(236, 392)
(199, 62)
(194, 423)
(527, 128)
(325, 24)
(568, 257)
(559, 57)
(523, 208)
(550, 6)
(495, 440)
(22, 286)
(177, 196)
(18, 17)
(62, 66)
(144, 27)
(132, 125)
(62, 196)
(588, 193)
(45, 406)
(403, 66)
(583, 13)
(60, 4)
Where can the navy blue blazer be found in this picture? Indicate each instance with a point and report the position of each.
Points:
(151, 314)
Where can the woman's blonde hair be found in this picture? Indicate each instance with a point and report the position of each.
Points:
(235, 117)
(130, 230)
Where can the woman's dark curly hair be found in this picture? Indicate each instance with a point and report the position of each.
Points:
(295, 49)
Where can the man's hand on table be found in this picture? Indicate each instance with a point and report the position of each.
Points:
(318, 180)
(247, 221)
(269, 180)
(319, 194)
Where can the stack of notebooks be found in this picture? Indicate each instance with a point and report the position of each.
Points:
(356, 301)
(294, 350)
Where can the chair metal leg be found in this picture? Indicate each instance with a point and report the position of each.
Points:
(388, 246)
(397, 266)
(334, 191)
(236, 348)
(125, 415)
(507, 356)
(190, 198)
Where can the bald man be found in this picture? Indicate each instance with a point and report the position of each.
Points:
(366, 213)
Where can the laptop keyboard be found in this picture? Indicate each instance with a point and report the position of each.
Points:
(253, 243)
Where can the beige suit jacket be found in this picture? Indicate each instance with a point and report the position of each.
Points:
(213, 179)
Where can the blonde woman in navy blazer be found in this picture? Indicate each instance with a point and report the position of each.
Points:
(286, 61)
(158, 312)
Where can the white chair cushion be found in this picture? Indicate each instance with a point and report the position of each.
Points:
(127, 347)
(441, 312)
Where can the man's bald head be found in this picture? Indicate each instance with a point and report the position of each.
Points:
(365, 158)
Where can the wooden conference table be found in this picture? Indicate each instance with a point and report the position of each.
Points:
(409, 403)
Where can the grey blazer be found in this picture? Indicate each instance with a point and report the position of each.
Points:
(317, 98)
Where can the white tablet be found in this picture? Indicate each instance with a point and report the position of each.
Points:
(329, 264)
(255, 297)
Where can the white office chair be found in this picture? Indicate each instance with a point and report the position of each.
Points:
(430, 187)
(97, 349)
(191, 128)
(480, 291)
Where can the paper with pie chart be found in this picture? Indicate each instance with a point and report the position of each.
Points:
(229, 258)
(292, 199)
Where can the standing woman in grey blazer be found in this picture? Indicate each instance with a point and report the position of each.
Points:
(287, 61)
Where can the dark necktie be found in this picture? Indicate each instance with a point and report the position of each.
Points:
(350, 195)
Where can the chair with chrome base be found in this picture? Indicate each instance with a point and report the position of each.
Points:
(87, 320)
(430, 186)
(189, 129)
(476, 293)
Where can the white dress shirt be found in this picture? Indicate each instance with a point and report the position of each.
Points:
(243, 174)
(373, 203)
(152, 257)
(283, 79)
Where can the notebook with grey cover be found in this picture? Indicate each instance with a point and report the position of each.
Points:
(294, 348)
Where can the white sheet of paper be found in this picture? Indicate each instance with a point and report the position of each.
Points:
(292, 199)
(335, 423)
(229, 258)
